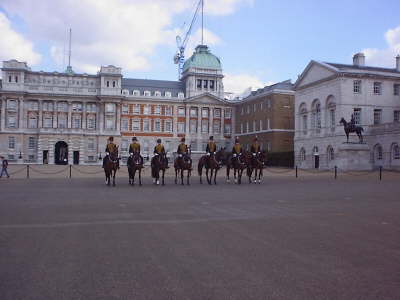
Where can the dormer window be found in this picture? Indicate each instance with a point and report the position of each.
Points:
(157, 94)
(108, 83)
(199, 84)
(9, 78)
(205, 84)
(181, 95)
(168, 94)
(114, 84)
(147, 93)
(136, 93)
(212, 85)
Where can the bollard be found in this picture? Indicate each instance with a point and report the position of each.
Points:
(296, 171)
(380, 173)
(70, 171)
(335, 172)
(27, 171)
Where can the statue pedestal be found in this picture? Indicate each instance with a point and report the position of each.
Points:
(354, 156)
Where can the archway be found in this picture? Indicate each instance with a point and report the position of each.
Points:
(61, 153)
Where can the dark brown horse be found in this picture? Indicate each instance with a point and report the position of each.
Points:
(348, 129)
(135, 164)
(159, 163)
(211, 163)
(256, 164)
(238, 163)
(111, 167)
(183, 163)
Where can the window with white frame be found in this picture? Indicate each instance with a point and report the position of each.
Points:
(146, 110)
(31, 143)
(193, 126)
(261, 125)
(136, 109)
(33, 105)
(47, 106)
(217, 113)
(11, 104)
(304, 123)
(332, 118)
(110, 107)
(11, 142)
(357, 86)
(168, 125)
(12, 121)
(254, 107)
(136, 125)
(124, 145)
(76, 107)
(181, 95)
(396, 89)
(125, 109)
(227, 128)
(241, 127)
(396, 116)
(157, 94)
(91, 122)
(302, 154)
(124, 124)
(181, 111)
(168, 110)
(91, 107)
(377, 88)
(147, 93)
(90, 144)
(205, 84)
(136, 93)
(168, 95)
(377, 116)
(396, 151)
(47, 121)
(157, 125)
(181, 127)
(242, 111)
(146, 125)
(76, 121)
(357, 116)
(193, 111)
(254, 125)
(217, 126)
(62, 121)
(248, 109)
(110, 124)
(199, 84)
(269, 104)
(204, 113)
(378, 152)
(228, 113)
(204, 126)
(157, 110)
(32, 121)
(62, 106)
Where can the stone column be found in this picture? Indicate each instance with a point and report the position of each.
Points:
(175, 121)
(84, 115)
(3, 113)
(21, 113)
(211, 120)
(118, 117)
(199, 129)
(69, 121)
(40, 115)
(222, 122)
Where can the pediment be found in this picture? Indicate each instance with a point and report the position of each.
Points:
(315, 71)
(206, 98)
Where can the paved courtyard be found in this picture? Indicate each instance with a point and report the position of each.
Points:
(307, 238)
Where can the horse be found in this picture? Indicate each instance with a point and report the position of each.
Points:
(183, 163)
(238, 163)
(159, 163)
(348, 129)
(135, 163)
(212, 163)
(256, 164)
(111, 167)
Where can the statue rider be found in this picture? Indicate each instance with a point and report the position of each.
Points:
(352, 122)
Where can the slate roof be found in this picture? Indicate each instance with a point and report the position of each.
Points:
(162, 86)
(284, 85)
(368, 69)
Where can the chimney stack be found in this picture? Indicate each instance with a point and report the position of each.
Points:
(359, 59)
(398, 63)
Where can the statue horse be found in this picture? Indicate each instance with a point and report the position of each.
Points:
(111, 167)
(348, 129)
(159, 163)
(256, 164)
(183, 163)
(211, 163)
(238, 163)
(135, 164)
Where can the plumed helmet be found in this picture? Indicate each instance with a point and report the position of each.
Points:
(111, 139)
(159, 141)
(134, 138)
(182, 139)
(211, 138)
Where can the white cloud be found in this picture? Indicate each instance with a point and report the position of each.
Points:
(210, 39)
(120, 32)
(14, 45)
(241, 83)
(385, 57)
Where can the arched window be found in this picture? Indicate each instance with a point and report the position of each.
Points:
(303, 118)
(315, 150)
(330, 153)
(302, 154)
(395, 151)
(316, 116)
(331, 113)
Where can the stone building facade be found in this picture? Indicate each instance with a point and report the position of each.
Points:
(51, 117)
(327, 92)
(267, 113)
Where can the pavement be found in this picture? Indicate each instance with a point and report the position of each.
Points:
(311, 237)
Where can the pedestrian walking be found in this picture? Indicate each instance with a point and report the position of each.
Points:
(4, 165)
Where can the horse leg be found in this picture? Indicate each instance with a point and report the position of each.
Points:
(182, 177)
(207, 175)
(227, 173)
(215, 176)
(188, 177)
(211, 176)
(260, 176)
(200, 169)
(234, 175)
(240, 173)
(140, 176)
(176, 176)
(115, 171)
(163, 175)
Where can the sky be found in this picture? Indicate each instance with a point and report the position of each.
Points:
(259, 42)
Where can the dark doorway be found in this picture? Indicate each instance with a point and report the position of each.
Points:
(316, 161)
(76, 157)
(45, 157)
(61, 153)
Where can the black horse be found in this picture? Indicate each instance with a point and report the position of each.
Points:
(135, 163)
(348, 128)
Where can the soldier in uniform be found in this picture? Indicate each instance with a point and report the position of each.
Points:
(110, 148)
(183, 151)
(255, 148)
(134, 148)
(159, 149)
(211, 149)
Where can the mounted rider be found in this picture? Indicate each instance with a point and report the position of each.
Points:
(183, 151)
(237, 149)
(111, 148)
(159, 150)
(352, 122)
(255, 149)
(134, 149)
(211, 149)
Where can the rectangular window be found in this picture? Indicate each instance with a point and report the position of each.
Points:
(168, 110)
(228, 113)
(157, 110)
(377, 116)
(146, 125)
(146, 110)
(90, 144)
(357, 116)
(204, 126)
(11, 104)
(204, 113)
(91, 122)
(157, 125)
(113, 83)
(181, 111)
(62, 106)
(212, 86)
(181, 127)
(198, 83)
(11, 122)
(31, 143)
(48, 121)
(11, 142)
(76, 122)
(377, 88)
(32, 122)
(217, 126)
(110, 124)
(110, 107)
(227, 129)
(261, 125)
(357, 86)
(62, 121)
(77, 107)
(33, 105)
(193, 126)
(247, 126)
(136, 125)
(205, 84)
(242, 111)
(254, 126)
(193, 112)
(91, 107)
(332, 119)
(396, 89)
(124, 124)
(248, 109)
(136, 109)
(304, 121)
(125, 109)
(168, 126)
(217, 113)
(396, 116)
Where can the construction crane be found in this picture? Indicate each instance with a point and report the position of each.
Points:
(179, 57)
